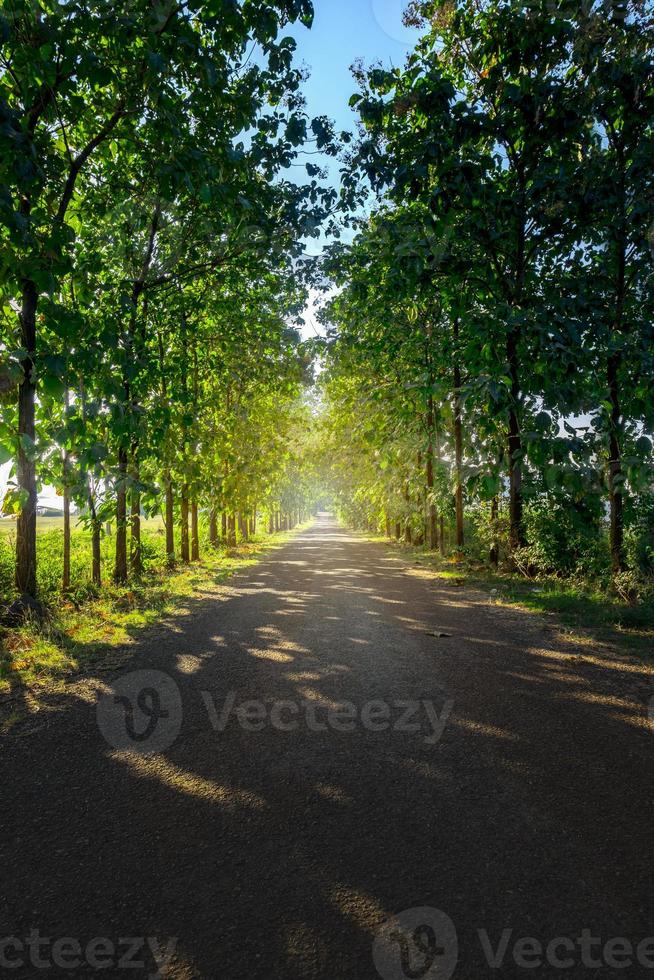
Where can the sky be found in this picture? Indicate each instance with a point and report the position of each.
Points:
(343, 32)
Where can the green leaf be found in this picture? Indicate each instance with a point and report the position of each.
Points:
(53, 386)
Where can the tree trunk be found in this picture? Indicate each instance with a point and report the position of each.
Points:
(223, 525)
(495, 547)
(96, 527)
(432, 533)
(408, 537)
(616, 502)
(516, 532)
(213, 528)
(231, 530)
(616, 476)
(442, 536)
(195, 532)
(184, 528)
(120, 566)
(135, 554)
(65, 579)
(170, 523)
(96, 557)
(516, 527)
(184, 545)
(271, 523)
(458, 443)
(432, 517)
(26, 467)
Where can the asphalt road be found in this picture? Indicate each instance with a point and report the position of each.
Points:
(336, 769)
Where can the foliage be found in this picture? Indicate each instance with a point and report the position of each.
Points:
(490, 337)
(487, 369)
(96, 628)
(151, 271)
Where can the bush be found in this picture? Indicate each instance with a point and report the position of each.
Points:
(565, 539)
(631, 586)
(482, 532)
(50, 567)
(639, 535)
(7, 557)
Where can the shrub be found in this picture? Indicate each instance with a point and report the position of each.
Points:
(565, 539)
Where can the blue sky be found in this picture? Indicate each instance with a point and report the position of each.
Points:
(343, 32)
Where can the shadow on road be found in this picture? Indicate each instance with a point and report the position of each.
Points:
(278, 854)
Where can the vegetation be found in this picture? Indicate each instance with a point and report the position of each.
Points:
(486, 377)
(96, 628)
(151, 276)
(489, 364)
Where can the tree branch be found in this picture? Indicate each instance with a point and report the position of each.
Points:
(81, 159)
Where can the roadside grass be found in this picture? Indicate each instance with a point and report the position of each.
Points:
(93, 629)
(8, 525)
(582, 609)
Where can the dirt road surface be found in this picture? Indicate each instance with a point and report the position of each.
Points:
(336, 769)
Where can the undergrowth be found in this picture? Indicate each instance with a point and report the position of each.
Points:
(91, 627)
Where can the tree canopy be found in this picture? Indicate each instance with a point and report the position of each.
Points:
(485, 378)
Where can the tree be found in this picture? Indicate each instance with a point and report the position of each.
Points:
(74, 81)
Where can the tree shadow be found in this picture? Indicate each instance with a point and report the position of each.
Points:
(279, 853)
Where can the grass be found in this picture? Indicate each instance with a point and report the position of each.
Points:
(8, 525)
(94, 629)
(582, 609)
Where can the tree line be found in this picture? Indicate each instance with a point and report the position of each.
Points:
(487, 372)
(489, 368)
(152, 270)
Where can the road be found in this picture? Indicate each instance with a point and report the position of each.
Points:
(334, 740)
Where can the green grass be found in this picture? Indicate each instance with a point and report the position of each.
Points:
(8, 525)
(95, 628)
(45, 524)
(582, 609)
